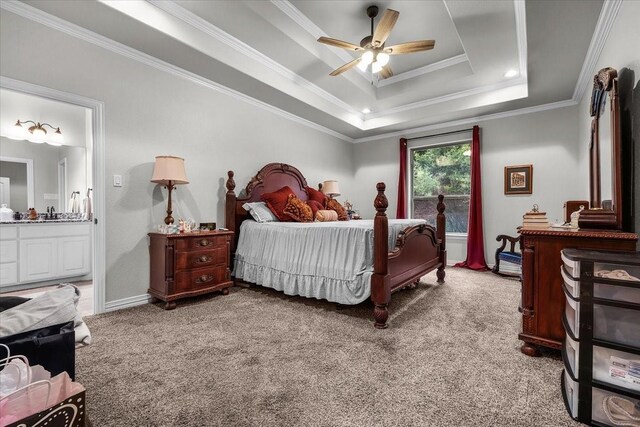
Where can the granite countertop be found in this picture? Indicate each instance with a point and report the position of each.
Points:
(44, 221)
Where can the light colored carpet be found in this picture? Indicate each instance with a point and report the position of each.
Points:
(259, 358)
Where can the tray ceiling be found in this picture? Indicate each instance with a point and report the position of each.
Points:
(268, 51)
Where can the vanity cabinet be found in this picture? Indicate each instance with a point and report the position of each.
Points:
(601, 353)
(189, 264)
(40, 252)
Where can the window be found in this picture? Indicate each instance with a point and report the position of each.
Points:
(443, 169)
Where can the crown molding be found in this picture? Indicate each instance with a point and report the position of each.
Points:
(190, 18)
(449, 97)
(605, 22)
(36, 15)
(469, 120)
(521, 36)
(445, 63)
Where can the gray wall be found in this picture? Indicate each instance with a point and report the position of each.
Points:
(621, 51)
(148, 113)
(547, 139)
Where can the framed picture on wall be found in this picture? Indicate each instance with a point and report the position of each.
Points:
(518, 179)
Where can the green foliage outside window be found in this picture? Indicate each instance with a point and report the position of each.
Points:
(442, 170)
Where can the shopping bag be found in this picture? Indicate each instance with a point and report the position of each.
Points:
(56, 403)
(53, 347)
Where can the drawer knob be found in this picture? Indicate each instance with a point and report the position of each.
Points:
(204, 259)
(204, 278)
(204, 242)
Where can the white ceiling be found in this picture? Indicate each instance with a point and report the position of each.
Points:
(268, 50)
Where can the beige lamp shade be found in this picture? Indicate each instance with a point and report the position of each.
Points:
(169, 168)
(330, 188)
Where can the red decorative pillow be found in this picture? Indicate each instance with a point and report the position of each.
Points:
(315, 206)
(276, 202)
(298, 210)
(335, 205)
(317, 196)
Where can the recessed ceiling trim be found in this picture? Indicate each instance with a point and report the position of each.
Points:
(470, 120)
(607, 17)
(316, 32)
(177, 11)
(449, 62)
(37, 15)
(521, 35)
(449, 97)
(455, 27)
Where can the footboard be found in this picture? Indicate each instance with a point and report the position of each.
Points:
(419, 250)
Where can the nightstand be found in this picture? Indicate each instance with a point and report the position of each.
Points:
(189, 264)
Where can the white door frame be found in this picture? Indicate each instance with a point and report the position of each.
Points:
(98, 163)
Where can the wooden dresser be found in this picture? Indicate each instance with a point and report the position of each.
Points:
(542, 295)
(185, 265)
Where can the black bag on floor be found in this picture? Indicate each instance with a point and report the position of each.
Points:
(53, 347)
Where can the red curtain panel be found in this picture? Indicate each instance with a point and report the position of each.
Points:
(475, 237)
(401, 210)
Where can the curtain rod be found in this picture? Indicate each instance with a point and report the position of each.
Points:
(440, 134)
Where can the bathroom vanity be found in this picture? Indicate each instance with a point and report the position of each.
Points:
(41, 251)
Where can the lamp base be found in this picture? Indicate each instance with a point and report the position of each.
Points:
(168, 219)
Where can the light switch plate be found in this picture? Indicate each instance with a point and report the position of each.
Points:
(117, 180)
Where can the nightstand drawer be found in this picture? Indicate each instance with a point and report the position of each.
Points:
(201, 278)
(199, 259)
(200, 243)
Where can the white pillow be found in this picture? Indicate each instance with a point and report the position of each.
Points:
(260, 212)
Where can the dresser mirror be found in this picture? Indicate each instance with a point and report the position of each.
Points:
(605, 187)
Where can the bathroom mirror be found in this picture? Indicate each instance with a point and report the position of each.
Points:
(605, 188)
(41, 175)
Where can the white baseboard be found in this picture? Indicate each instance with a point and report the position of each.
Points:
(119, 304)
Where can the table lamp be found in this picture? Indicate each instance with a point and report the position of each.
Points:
(330, 188)
(169, 171)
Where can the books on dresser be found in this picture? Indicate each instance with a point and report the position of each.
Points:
(535, 219)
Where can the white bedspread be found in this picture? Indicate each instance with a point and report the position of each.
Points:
(323, 260)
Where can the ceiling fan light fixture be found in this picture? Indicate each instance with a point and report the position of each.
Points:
(382, 59)
(366, 111)
(376, 67)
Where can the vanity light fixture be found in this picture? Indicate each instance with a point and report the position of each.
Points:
(37, 133)
(169, 171)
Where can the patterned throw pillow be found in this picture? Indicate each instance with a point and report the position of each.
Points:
(317, 196)
(335, 205)
(260, 212)
(298, 209)
(326, 216)
(277, 200)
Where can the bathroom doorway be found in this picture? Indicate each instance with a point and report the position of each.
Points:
(77, 172)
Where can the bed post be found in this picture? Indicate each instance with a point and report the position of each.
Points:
(230, 212)
(380, 284)
(442, 236)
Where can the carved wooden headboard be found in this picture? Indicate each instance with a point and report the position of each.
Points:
(271, 177)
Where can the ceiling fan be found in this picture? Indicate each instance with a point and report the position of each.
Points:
(372, 47)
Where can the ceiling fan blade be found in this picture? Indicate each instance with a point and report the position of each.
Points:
(410, 47)
(384, 27)
(339, 43)
(385, 73)
(345, 67)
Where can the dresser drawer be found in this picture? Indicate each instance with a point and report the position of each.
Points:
(200, 243)
(201, 278)
(197, 259)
